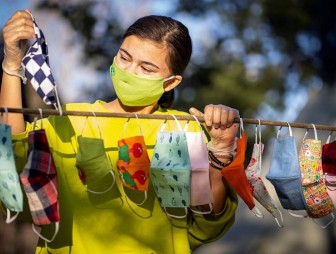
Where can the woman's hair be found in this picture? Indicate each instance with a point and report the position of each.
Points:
(174, 35)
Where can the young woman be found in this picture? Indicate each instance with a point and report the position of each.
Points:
(153, 55)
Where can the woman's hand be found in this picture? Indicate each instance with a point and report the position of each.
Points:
(219, 122)
(18, 29)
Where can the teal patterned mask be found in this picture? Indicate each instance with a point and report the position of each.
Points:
(170, 169)
(10, 189)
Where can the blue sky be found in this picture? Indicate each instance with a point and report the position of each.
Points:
(8, 7)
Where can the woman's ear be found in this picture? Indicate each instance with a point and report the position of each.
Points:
(172, 83)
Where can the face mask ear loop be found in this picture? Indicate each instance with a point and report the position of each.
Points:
(1, 117)
(315, 132)
(203, 212)
(9, 219)
(331, 183)
(324, 226)
(187, 125)
(257, 212)
(298, 215)
(241, 127)
(138, 122)
(125, 127)
(280, 223)
(95, 117)
(260, 146)
(36, 117)
(304, 137)
(177, 216)
(177, 123)
(278, 133)
(42, 237)
(329, 137)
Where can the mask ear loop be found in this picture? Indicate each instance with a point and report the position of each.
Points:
(35, 119)
(210, 204)
(111, 172)
(44, 238)
(241, 129)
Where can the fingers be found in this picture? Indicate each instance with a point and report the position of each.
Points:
(219, 116)
(18, 27)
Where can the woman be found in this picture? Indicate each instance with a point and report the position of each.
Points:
(154, 48)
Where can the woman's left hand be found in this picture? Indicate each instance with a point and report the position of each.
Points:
(219, 122)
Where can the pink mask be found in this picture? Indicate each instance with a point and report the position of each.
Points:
(200, 190)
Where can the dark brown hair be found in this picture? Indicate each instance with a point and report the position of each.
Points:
(174, 35)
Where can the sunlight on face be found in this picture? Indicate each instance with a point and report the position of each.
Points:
(143, 57)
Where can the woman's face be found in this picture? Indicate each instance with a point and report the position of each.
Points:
(143, 57)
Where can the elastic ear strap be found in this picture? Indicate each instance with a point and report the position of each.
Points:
(176, 216)
(177, 123)
(329, 137)
(95, 117)
(104, 191)
(199, 124)
(315, 132)
(35, 119)
(280, 223)
(241, 127)
(138, 122)
(9, 219)
(42, 237)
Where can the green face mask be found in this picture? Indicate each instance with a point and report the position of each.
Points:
(133, 90)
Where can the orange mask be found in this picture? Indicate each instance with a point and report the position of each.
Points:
(236, 176)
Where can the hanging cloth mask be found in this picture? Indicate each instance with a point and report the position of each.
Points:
(329, 167)
(37, 69)
(170, 169)
(92, 162)
(329, 157)
(259, 190)
(284, 173)
(10, 190)
(39, 180)
(133, 162)
(314, 189)
(200, 190)
(236, 176)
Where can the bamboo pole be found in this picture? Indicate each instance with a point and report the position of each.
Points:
(47, 112)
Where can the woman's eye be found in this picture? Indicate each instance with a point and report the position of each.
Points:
(146, 70)
(123, 58)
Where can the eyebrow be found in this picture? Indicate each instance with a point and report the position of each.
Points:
(142, 62)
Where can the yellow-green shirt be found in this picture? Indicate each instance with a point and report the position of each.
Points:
(110, 222)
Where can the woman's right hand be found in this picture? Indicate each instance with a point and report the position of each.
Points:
(18, 29)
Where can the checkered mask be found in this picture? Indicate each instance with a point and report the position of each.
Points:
(39, 180)
(37, 69)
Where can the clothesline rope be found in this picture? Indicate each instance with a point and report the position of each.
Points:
(46, 112)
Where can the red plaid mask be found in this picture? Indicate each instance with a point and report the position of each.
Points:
(39, 179)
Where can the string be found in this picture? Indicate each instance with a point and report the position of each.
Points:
(29, 111)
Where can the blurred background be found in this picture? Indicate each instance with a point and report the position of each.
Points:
(273, 60)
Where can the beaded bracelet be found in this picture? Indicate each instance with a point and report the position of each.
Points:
(217, 164)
